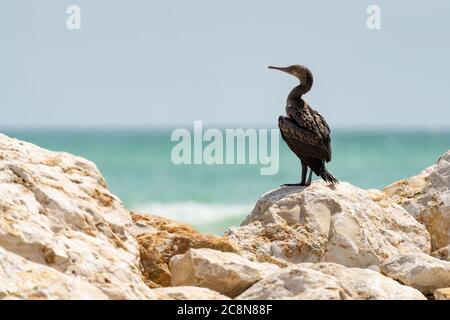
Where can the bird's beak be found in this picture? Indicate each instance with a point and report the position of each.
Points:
(279, 68)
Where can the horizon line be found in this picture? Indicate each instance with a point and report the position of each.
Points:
(221, 127)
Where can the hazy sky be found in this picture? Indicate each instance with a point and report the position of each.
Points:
(168, 63)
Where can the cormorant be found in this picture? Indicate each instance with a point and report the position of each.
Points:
(304, 130)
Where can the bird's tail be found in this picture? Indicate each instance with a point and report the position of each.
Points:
(328, 177)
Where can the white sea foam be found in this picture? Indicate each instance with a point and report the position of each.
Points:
(196, 213)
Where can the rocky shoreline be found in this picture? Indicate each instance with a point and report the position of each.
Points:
(63, 235)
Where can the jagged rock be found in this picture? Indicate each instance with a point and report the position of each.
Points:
(340, 223)
(427, 198)
(442, 253)
(328, 281)
(63, 235)
(22, 279)
(160, 239)
(224, 272)
(56, 212)
(418, 270)
(442, 294)
(187, 293)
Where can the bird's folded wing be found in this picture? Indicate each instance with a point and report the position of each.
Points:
(324, 130)
(322, 125)
(303, 116)
(301, 140)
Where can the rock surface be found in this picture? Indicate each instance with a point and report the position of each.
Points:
(57, 213)
(63, 235)
(341, 224)
(442, 253)
(427, 198)
(442, 294)
(187, 293)
(328, 281)
(418, 270)
(224, 272)
(22, 279)
(160, 239)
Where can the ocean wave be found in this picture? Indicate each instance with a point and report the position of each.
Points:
(196, 213)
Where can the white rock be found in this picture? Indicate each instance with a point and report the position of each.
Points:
(442, 294)
(341, 224)
(427, 198)
(22, 279)
(187, 293)
(56, 211)
(224, 272)
(328, 281)
(418, 270)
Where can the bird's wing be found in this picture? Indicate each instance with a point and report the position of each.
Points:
(313, 130)
(303, 142)
(302, 115)
(324, 130)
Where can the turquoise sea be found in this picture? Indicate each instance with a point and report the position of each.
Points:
(138, 168)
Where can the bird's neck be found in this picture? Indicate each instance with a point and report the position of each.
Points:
(304, 86)
(297, 93)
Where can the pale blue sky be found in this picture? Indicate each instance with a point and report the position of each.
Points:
(167, 63)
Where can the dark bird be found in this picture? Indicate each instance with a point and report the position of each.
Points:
(304, 130)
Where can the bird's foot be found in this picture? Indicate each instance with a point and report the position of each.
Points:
(295, 185)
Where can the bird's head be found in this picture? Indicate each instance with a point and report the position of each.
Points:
(302, 73)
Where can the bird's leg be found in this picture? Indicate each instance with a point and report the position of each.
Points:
(309, 178)
(302, 183)
(304, 173)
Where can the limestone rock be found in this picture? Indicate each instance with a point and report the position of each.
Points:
(418, 270)
(427, 198)
(328, 281)
(224, 272)
(22, 279)
(160, 239)
(442, 294)
(56, 212)
(442, 253)
(187, 293)
(340, 223)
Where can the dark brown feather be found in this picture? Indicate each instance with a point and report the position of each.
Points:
(308, 128)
